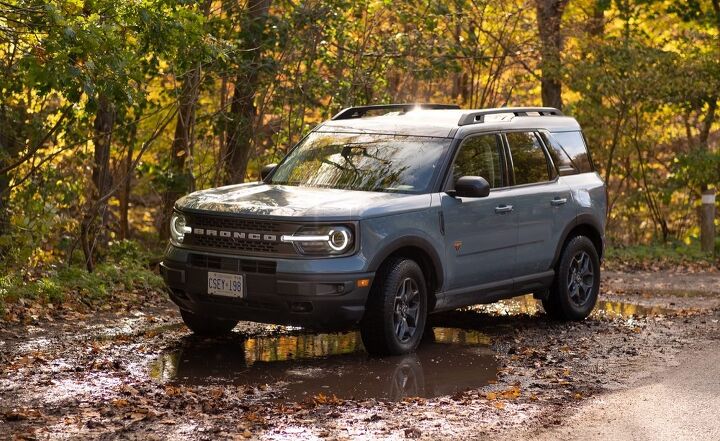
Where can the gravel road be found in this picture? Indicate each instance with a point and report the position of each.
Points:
(643, 366)
(680, 403)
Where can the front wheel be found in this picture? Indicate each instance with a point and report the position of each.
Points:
(577, 281)
(396, 311)
(207, 326)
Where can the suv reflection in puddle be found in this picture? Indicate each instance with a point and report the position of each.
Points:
(298, 367)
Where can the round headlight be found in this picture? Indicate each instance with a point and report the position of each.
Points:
(339, 238)
(178, 227)
(330, 240)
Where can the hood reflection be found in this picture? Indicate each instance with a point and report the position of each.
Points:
(297, 367)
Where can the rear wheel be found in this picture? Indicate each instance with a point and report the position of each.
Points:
(577, 281)
(396, 311)
(207, 326)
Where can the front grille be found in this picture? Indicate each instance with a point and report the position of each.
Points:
(233, 264)
(223, 243)
(226, 235)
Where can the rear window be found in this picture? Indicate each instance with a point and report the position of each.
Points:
(571, 152)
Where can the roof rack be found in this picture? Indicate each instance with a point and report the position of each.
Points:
(479, 116)
(360, 111)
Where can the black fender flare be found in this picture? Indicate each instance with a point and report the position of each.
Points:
(411, 241)
(580, 220)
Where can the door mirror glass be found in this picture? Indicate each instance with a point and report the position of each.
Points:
(267, 170)
(472, 187)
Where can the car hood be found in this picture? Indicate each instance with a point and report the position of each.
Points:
(259, 199)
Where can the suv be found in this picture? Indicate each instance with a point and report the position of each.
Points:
(381, 219)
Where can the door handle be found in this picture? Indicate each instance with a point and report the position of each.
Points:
(501, 209)
(558, 201)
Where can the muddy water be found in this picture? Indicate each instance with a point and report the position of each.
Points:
(528, 305)
(299, 367)
(302, 366)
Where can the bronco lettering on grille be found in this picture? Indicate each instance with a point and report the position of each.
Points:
(234, 234)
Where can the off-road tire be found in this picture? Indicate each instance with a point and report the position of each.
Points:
(574, 291)
(207, 326)
(380, 327)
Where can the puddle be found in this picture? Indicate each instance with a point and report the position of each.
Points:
(298, 367)
(604, 308)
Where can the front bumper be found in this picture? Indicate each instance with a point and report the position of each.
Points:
(312, 300)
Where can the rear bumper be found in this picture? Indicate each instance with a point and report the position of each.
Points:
(316, 301)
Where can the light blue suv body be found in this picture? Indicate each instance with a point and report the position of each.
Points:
(381, 220)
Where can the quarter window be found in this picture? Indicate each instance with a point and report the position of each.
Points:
(574, 145)
(559, 157)
(481, 156)
(529, 161)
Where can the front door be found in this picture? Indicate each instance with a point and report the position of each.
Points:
(480, 233)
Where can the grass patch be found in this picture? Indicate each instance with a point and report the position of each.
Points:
(125, 269)
(660, 256)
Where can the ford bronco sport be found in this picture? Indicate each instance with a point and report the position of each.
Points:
(385, 214)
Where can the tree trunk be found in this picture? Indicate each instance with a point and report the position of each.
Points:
(11, 132)
(91, 235)
(596, 22)
(127, 185)
(181, 181)
(101, 175)
(6, 153)
(549, 18)
(243, 112)
(707, 221)
(707, 210)
(181, 177)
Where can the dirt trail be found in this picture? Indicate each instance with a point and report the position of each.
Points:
(707, 283)
(141, 375)
(681, 403)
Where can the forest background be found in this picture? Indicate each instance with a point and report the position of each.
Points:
(111, 110)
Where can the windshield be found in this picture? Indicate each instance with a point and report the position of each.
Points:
(365, 162)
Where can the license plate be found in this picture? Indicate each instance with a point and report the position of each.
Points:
(223, 284)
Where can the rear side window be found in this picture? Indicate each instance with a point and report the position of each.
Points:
(529, 161)
(481, 156)
(573, 146)
(559, 157)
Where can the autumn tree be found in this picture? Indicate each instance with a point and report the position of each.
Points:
(549, 15)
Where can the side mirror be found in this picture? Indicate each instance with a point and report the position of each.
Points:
(266, 171)
(472, 187)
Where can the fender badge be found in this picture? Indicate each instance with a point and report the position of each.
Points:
(457, 245)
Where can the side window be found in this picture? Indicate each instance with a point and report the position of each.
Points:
(529, 161)
(559, 157)
(481, 156)
(574, 146)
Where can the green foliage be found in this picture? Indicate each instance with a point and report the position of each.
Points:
(699, 166)
(642, 86)
(658, 254)
(124, 270)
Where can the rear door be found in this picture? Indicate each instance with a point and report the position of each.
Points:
(480, 233)
(542, 203)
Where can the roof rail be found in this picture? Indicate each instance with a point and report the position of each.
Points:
(479, 116)
(360, 111)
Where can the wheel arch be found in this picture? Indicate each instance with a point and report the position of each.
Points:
(424, 254)
(584, 225)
